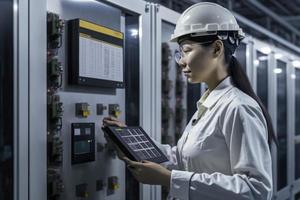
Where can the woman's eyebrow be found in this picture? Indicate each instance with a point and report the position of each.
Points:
(185, 45)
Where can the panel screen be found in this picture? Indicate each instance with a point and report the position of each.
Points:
(96, 55)
(82, 147)
(83, 142)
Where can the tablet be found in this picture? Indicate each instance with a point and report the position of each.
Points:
(135, 143)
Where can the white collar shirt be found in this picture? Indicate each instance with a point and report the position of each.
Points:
(223, 152)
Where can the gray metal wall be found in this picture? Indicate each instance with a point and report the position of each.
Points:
(105, 164)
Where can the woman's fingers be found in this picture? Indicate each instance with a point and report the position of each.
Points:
(134, 169)
(112, 118)
(132, 163)
(108, 122)
(127, 161)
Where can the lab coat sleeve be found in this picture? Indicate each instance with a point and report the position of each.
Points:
(245, 132)
(171, 153)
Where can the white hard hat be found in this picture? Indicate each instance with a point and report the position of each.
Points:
(205, 18)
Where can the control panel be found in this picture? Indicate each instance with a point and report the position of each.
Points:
(55, 109)
(83, 142)
(85, 84)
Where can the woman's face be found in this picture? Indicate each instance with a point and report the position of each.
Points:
(196, 62)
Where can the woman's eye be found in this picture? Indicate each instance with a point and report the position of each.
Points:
(186, 50)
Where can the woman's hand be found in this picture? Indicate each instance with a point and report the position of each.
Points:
(112, 121)
(149, 172)
(145, 172)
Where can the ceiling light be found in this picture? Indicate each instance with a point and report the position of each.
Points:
(277, 70)
(134, 32)
(266, 50)
(296, 63)
(293, 76)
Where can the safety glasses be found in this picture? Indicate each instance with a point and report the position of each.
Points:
(179, 54)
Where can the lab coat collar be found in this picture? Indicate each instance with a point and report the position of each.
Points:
(217, 93)
(202, 99)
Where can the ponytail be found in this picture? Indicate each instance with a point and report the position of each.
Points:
(241, 81)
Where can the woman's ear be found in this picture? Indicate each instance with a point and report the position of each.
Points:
(218, 48)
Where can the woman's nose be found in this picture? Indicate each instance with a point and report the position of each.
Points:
(181, 63)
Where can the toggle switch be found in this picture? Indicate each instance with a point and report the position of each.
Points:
(55, 183)
(54, 67)
(112, 184)
(99, 185)
(114, 110)
(82, 110)
(100, 108)
(54, 30)
(55, 149)
(55, 71)
(81, 190)
(56, 107)
(110, 149)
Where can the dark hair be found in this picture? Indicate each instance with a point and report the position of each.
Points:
(241, 81)
(239, 77)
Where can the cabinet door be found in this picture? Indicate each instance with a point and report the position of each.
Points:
(281, 71)
(6, 100)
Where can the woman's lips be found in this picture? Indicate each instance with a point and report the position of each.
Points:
(186, 73)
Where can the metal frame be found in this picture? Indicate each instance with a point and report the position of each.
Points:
(249, 58)
(155, 89)
(296, 140)
(295, 184)
(285, 192)
(30, 99)
(21, 79)
(291, 123)
(160, 14)
(37, 100)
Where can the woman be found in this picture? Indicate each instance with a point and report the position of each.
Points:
(224, 151)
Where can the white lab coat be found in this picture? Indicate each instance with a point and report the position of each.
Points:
(225, 155)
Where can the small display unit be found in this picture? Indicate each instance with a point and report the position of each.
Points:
(95, 55)
(135, 143)
(83, 142)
